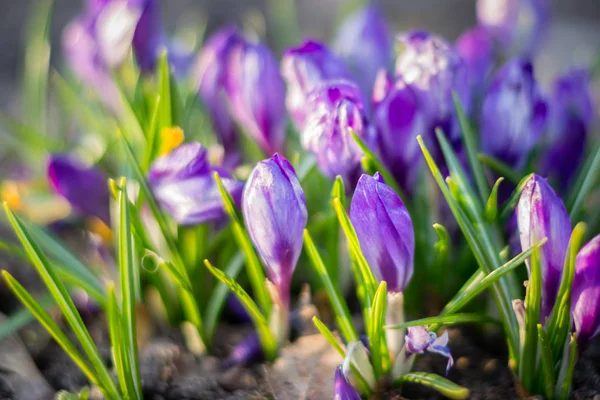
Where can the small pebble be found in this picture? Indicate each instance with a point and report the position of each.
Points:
(462, 363)
(490, 366)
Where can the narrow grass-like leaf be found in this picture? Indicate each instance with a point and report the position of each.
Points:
(442, 246)
(514, 197)
(446, 320)
(491, 208)
(322, 328)
(533, 301)
(151, 134)
(340, 308)
(380, 359)
(500, 168)
(589, 174)
(129, 281)
(546, 363)
(253, 264)
(470, 144)
(560, 319)
(565, 378)
(152, 262)
(218, 297)
(338, 190)
(63, 300)
(164, 90)
(442, 385)
(51, 327)
(117, 342)
(22, 318)
(373, 165)
(267, 339)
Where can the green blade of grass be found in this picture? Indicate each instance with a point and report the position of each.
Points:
(63, 300)
(152, 262)
(491, 208)
(151, 134)
(117, 342)
(37, 310)
(514, 197)
(380, 358)
(500, 168)
(533, 301)
(442, 385)
(253, 264)
(267, 339)
(445, 320)
(164, 89)
(584, 183)
(22, 318)
(340, 308)
(546, 363)
(565, 377)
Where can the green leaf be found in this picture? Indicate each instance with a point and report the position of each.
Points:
(470, 144)
(22, 318)
(447, 388)
(546, 362)
(380, 358)
(374, 165)
(584, 183)
(152, 262)
(164, 89)
(560, 320)
(117, 342)
(445, 320)
(340, 308)
(151, 133)
(267, 339)
(491, 209)
(219, 295)
(500, 168)
(533, 301)
(129, 284)
(514, 197)
(338, 190)
(253, 264)
(442, 246)
(63, 300)
(565, 378)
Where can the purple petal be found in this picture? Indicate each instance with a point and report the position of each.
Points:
(385, 232)
(246, 352)
(585, 295)
(86, 188)
(419, 339)
(541, 214)
(275, 214)
(343, 390)
(476, 48)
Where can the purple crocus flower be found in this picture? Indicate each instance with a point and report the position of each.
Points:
(212, 70)
(183, 184)
(585, 295)
(385, 231)
(343, 390)
(398, 120)
(275, 213)
(256, 93)
(518, 26)
(246, 352)
(334, 108)
(476, 48)
(364, 41)
(434, 69)
(419, 340)
(541, 214)
(513, 114)
(86, 188)
(571, 112)
(304, 68)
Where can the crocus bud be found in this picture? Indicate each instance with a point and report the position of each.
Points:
(304, 68)
(433, 67)
(513, 114)
(86, 188)
(212, 70)
(275, 214)
(246, 352)
(363, 40)
(385, 231)
(585, 295)
(419, 340)
(518, 26)
(476, 48)
(398, 120)
(183, 184)
(256, 93)
(343, 390)
(335, 107)
(571, 112)
(541, 214)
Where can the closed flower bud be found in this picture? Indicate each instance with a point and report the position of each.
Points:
(335, 107)
(541, 214)
(86, 188)
(343, 390)
(398, 120)
(513, 114)
(385, 231)
(518, 26)
(585, 295)
(364, 41)
(275, 214)
(183, 184)
(435, 69)
(304, 68)
(256, 93)
(476, 48)
(571, 113)
(212, 70)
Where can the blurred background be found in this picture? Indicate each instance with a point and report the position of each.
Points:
(573, 39)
